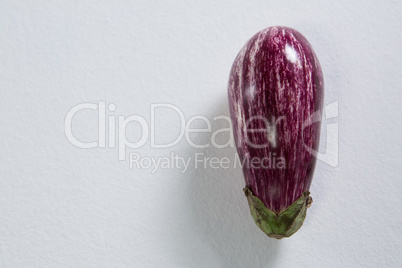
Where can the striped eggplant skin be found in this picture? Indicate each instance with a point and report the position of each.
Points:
(276, 93)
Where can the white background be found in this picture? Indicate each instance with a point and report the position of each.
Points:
(61, 206)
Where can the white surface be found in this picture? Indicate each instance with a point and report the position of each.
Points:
(61, 206)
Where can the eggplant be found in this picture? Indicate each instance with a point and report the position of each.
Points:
(276, 94)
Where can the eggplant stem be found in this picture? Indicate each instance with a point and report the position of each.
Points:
(278, 224)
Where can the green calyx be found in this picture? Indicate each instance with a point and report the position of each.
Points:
(282, 224)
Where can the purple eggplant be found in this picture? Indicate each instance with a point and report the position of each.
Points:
(276, 93)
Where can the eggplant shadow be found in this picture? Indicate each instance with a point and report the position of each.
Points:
(219, 209)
